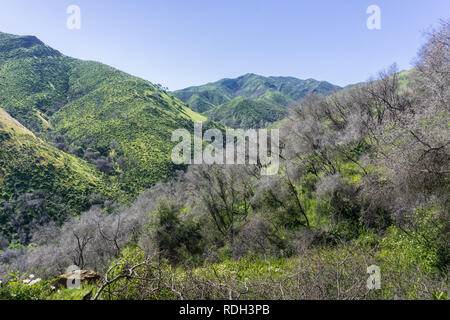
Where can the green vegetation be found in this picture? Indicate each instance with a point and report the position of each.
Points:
(323, 272)
(251, 100)
(39, 182)
(363, 184)
(251, 113)
(126, 120)
(78, 112)
(91, 107)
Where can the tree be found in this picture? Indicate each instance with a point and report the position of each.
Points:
(225, 192)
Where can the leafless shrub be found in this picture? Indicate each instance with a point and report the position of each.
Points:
(256, 237)
(225, 192)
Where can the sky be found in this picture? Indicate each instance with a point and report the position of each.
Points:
(181, 43)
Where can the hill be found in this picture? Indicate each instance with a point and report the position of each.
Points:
(75, 130)
(251, 100)
(251, 113)
(117, 121)
(39, 182)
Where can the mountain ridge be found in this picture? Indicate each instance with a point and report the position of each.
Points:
(212, 98)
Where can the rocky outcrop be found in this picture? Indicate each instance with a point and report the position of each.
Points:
(85, 276)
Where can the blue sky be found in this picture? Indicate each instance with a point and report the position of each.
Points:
(180, 43)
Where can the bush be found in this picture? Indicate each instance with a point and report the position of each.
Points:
(18, 287)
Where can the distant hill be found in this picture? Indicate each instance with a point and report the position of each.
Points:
(251, 100)
(251, 113)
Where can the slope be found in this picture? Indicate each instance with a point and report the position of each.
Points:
(120, 123)
(260, 100)
(251, 113)
(39, 183)
(205, 97)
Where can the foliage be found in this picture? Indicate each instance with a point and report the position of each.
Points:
(91, 113)
(249, 113)
(40, 183)
(363, 181)
(251, 101)
(18, 287)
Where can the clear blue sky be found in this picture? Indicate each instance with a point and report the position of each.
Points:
(180, 43)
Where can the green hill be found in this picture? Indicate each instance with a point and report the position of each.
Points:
(251, 113)
(259, 100)
(39, 182)
(120, 122)
(85, 128)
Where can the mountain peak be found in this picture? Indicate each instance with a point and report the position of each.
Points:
(250, 75)
(24, 46)
(250, 85)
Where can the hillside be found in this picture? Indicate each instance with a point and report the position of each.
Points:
(357, 210)
(251, 113)
(83, 126)
(251, 100)
(39, 182)
(117, 121)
